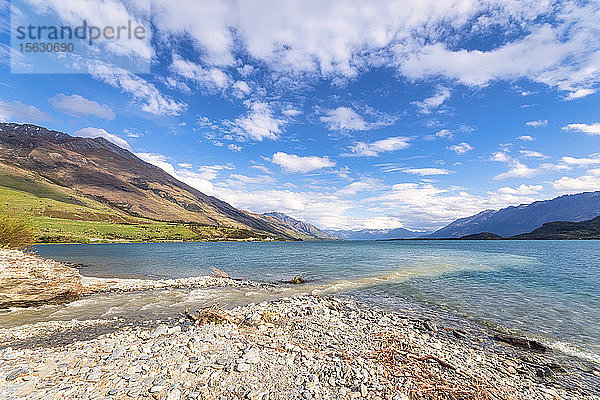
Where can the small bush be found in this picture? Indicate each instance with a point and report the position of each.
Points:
(270, 316)
(16, 231)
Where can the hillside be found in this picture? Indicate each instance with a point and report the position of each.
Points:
(378, 234)
(526, 217)
(52, 175)
(303, 227)
(482, 236)
(564, 231)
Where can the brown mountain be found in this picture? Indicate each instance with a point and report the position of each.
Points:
(105, 173)
(301, 226)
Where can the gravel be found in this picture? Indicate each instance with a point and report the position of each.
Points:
(304, 347)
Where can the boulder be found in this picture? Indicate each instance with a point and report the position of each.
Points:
(29, 280)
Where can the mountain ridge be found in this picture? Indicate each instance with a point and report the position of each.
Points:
(524, 218)
(302, 226)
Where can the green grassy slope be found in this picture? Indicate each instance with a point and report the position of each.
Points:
(59, 215)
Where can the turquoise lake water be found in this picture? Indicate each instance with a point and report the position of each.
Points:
(546, 289)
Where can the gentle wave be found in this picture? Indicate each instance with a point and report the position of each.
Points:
(399, 275)
(572, 350)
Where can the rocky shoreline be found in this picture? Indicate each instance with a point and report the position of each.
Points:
(304, 347)
(28, 280)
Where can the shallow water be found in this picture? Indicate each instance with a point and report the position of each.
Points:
(546, 289)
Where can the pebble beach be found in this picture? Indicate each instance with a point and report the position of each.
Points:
(298, 347)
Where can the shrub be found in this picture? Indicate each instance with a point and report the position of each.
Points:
(16, 231)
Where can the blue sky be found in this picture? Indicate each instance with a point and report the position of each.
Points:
(348, 114)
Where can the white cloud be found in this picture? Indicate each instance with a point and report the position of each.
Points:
(590, 129)
(132, 133)
(209, 78)
(152, 100)
(382, 222)
(262, 169)
(500, 156)
(241, 89)
(291, 112)
(104, 13)
(199, 179)
(316, 207)
(522, 190)
(344, 118)
(237, 179)
(394, 143)
(78, 106)
(434, 102)
(563, 55)
(588, 182)
(579, 93)
(363, 34)
(461, 148)
(555, 167)
(356, 187)
(517, 170)
(293, 163)
(246, 70)
(592, 160)
(91, 132)
(425, 206)
(234, 147)
(19, 112)
(347, 37)
(321, 209)
(347, 119)
(444, 133)
(411, 205)
(426, 171)
(535, 53)
(259, 123)
(526, 138)
(208, 24)
(158, 160)
(538, 123)
(532, 154)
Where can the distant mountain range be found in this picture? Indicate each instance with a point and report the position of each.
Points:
(67, 178)
(301, 226)
(77, 188)
(560, 230)
(377, 234)
(525, 218)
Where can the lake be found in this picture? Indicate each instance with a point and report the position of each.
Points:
(546, 289)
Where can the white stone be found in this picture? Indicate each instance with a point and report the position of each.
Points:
(174, 394)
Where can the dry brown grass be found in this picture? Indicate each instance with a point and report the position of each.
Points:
(270, 316)
(427, 377)
(16, 231)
